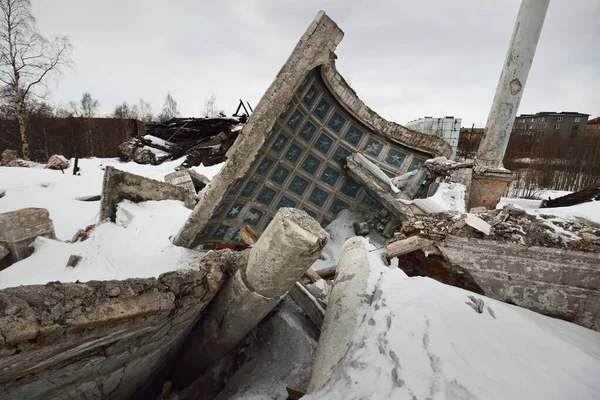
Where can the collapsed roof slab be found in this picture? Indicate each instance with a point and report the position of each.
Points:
(292, 150)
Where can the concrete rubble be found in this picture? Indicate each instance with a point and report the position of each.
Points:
(259, 319)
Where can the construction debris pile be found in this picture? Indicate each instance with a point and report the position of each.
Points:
(203, 140)
(510, 224)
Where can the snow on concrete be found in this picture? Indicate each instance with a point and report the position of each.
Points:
(340, 230)
(448, 197)
(375, 170)
(421, 339)
(589, 210)
(136, 246)
(57, 192)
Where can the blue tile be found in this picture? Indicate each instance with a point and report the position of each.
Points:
(287, 110)
(322, 108)
(330, 176)
(266, 196)
(307, 131)
(373, 147)
(268, 222)
(340, 155)
(311, 164)
(310, 212)
(394, 158)
(286, 202)
(336, 122)
(235, 187)
(293, 153)
(235, 210)
(221, 209)
(325, 222)
(298, 185)
(337, 206)
(318, 197)
(206, 231)
(303, 85)
(220, 232)
(236, 237)
(415, 164)
(350, 187)
(280, 174)
(310, 96)
(295, 120)
(353, 136)
(279, 143)
(323, 143)
(249, 189)
(369, 200)
(265, 166)
(254, 216)
(208, 246)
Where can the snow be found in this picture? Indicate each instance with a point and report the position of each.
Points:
(157, 141)
(57, 191)
(448, 197)
(159, 153)
(136, 246)
(340, 229)
(420, 339)
(375, 170)
(589, 211)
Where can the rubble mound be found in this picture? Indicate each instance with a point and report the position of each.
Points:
(57, 162)
(510, 224)
(203, 140)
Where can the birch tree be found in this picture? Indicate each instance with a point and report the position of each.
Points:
(27, 59)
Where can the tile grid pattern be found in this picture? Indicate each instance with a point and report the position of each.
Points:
(301, 165)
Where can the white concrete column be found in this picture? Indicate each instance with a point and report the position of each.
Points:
(512, 82)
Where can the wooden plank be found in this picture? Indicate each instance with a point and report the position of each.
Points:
(308, 303)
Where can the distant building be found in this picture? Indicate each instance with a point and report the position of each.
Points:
(447, 128)
(593, 127)
(529, 130)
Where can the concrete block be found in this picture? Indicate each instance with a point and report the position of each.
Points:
(118, 185)
(18, 230)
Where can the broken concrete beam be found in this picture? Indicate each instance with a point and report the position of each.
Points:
(182, 179)
(18, 230)
(348, 302)
(298, 240)
(200, 181)
(118, 185)
(559, 283)
(405, 246)
(101, 339)
(308, 303)
(590, 193)
(287, 248)
(379, 189)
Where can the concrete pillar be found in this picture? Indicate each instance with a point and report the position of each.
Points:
(287, 248)
(348, 303)
(512, 82)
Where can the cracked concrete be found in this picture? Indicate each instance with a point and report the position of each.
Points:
(88, 340)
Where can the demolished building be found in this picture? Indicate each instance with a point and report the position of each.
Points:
(310, 149)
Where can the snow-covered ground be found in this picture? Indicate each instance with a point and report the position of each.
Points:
(420, 339)
(58, 192)
(136, 246)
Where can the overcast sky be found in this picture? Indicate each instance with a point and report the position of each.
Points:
(406, 59)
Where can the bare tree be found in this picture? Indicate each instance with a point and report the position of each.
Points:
(27, 59)
(145, 111)
(211, 109)
(169, 109)
(89, 105)
(125, 111)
